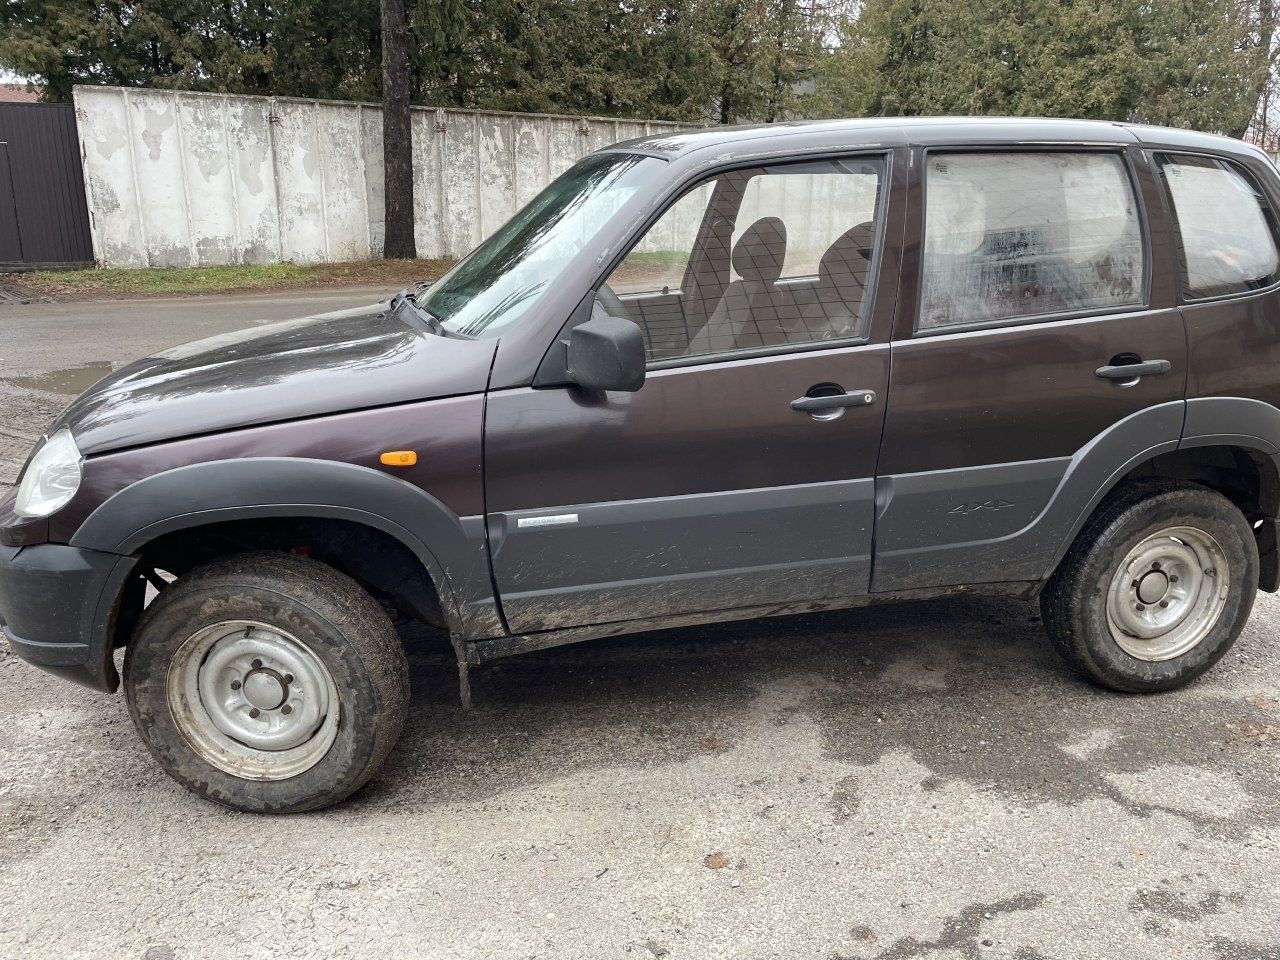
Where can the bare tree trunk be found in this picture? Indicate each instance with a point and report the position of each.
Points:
(397, 137)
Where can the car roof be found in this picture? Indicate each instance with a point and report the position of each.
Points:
(731, 141)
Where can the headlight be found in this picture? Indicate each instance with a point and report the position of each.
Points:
(52, 477)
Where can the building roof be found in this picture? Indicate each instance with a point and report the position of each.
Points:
(18, 93)
(745, 141)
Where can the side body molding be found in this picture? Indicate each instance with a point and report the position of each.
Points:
(452, 548)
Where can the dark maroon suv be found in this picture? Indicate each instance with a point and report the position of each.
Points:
(715, 375)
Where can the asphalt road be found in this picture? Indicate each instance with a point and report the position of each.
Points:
(49, 352)
(904, 781)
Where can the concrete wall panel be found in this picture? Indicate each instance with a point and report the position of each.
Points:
(371, 125)
(461, 171)
(428, 214)
(342, 163)
(566, 147)
(497, 171)
(182, 179)
(300, 180)
(110, 187)
(532, 170)
(207, 172)
(157, 156)
(249, 145)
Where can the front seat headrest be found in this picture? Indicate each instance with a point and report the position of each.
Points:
(845, 265)
(760, 251)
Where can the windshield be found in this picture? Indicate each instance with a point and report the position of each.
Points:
(499, 281)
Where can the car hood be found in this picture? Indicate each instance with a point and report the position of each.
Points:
(333, 363)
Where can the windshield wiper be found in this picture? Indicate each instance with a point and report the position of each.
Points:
(405, 307)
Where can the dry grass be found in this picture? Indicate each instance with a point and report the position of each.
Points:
(175, 281)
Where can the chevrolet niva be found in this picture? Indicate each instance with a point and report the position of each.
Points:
(711, 375)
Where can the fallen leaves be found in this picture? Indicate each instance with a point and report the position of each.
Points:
(1255, 732)
(716, 861)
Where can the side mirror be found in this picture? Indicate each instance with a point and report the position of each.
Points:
(607, 353)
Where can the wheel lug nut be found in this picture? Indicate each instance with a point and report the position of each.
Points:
(255, 713)
(235, 684)
(1173, 578)
(1155, 565)
(1135, 584)
(1139, 607)
(1164, 603)
(288, 678)
(286, 709)
(257, 664)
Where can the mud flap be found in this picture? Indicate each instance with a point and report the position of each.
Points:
(1268, 557)
(461, 650)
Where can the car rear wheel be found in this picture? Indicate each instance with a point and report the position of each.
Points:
(267, 682)
(1155, 589)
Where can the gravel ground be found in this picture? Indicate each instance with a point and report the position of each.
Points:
(904, 781)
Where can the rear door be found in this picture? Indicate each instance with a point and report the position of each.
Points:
(1042, 279)
(706, 490)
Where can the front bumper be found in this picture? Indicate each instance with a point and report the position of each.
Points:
(58, 606)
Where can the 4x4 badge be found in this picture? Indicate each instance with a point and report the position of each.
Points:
(996, 504)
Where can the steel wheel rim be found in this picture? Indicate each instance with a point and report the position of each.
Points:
(1168, 593)
(253, 700)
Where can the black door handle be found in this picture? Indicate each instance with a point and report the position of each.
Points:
(854, 398)
(1132, 371)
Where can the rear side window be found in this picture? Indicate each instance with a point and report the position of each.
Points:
(1020, 235)
(1226, 226)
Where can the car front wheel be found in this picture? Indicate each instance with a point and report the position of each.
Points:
(267, 682)
(1155, 589)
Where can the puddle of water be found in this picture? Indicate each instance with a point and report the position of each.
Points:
(71, 381)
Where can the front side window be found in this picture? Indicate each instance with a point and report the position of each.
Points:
(500, 280)
(1020, 235)
(755, 258)
(1226, 227)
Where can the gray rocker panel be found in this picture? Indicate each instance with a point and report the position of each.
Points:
(452, 548)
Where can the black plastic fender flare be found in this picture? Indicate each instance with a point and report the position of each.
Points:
(451, 548)
(1207, 422)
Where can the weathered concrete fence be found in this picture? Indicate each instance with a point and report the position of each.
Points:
(191, 179)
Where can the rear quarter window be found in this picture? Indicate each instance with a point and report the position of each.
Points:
(1018, 235)
(1226, 227)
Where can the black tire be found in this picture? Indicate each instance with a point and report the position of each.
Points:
(1074, 603)
(328, 612)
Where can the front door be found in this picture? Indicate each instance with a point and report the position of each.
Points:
(1044, 357)
(742, 473)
